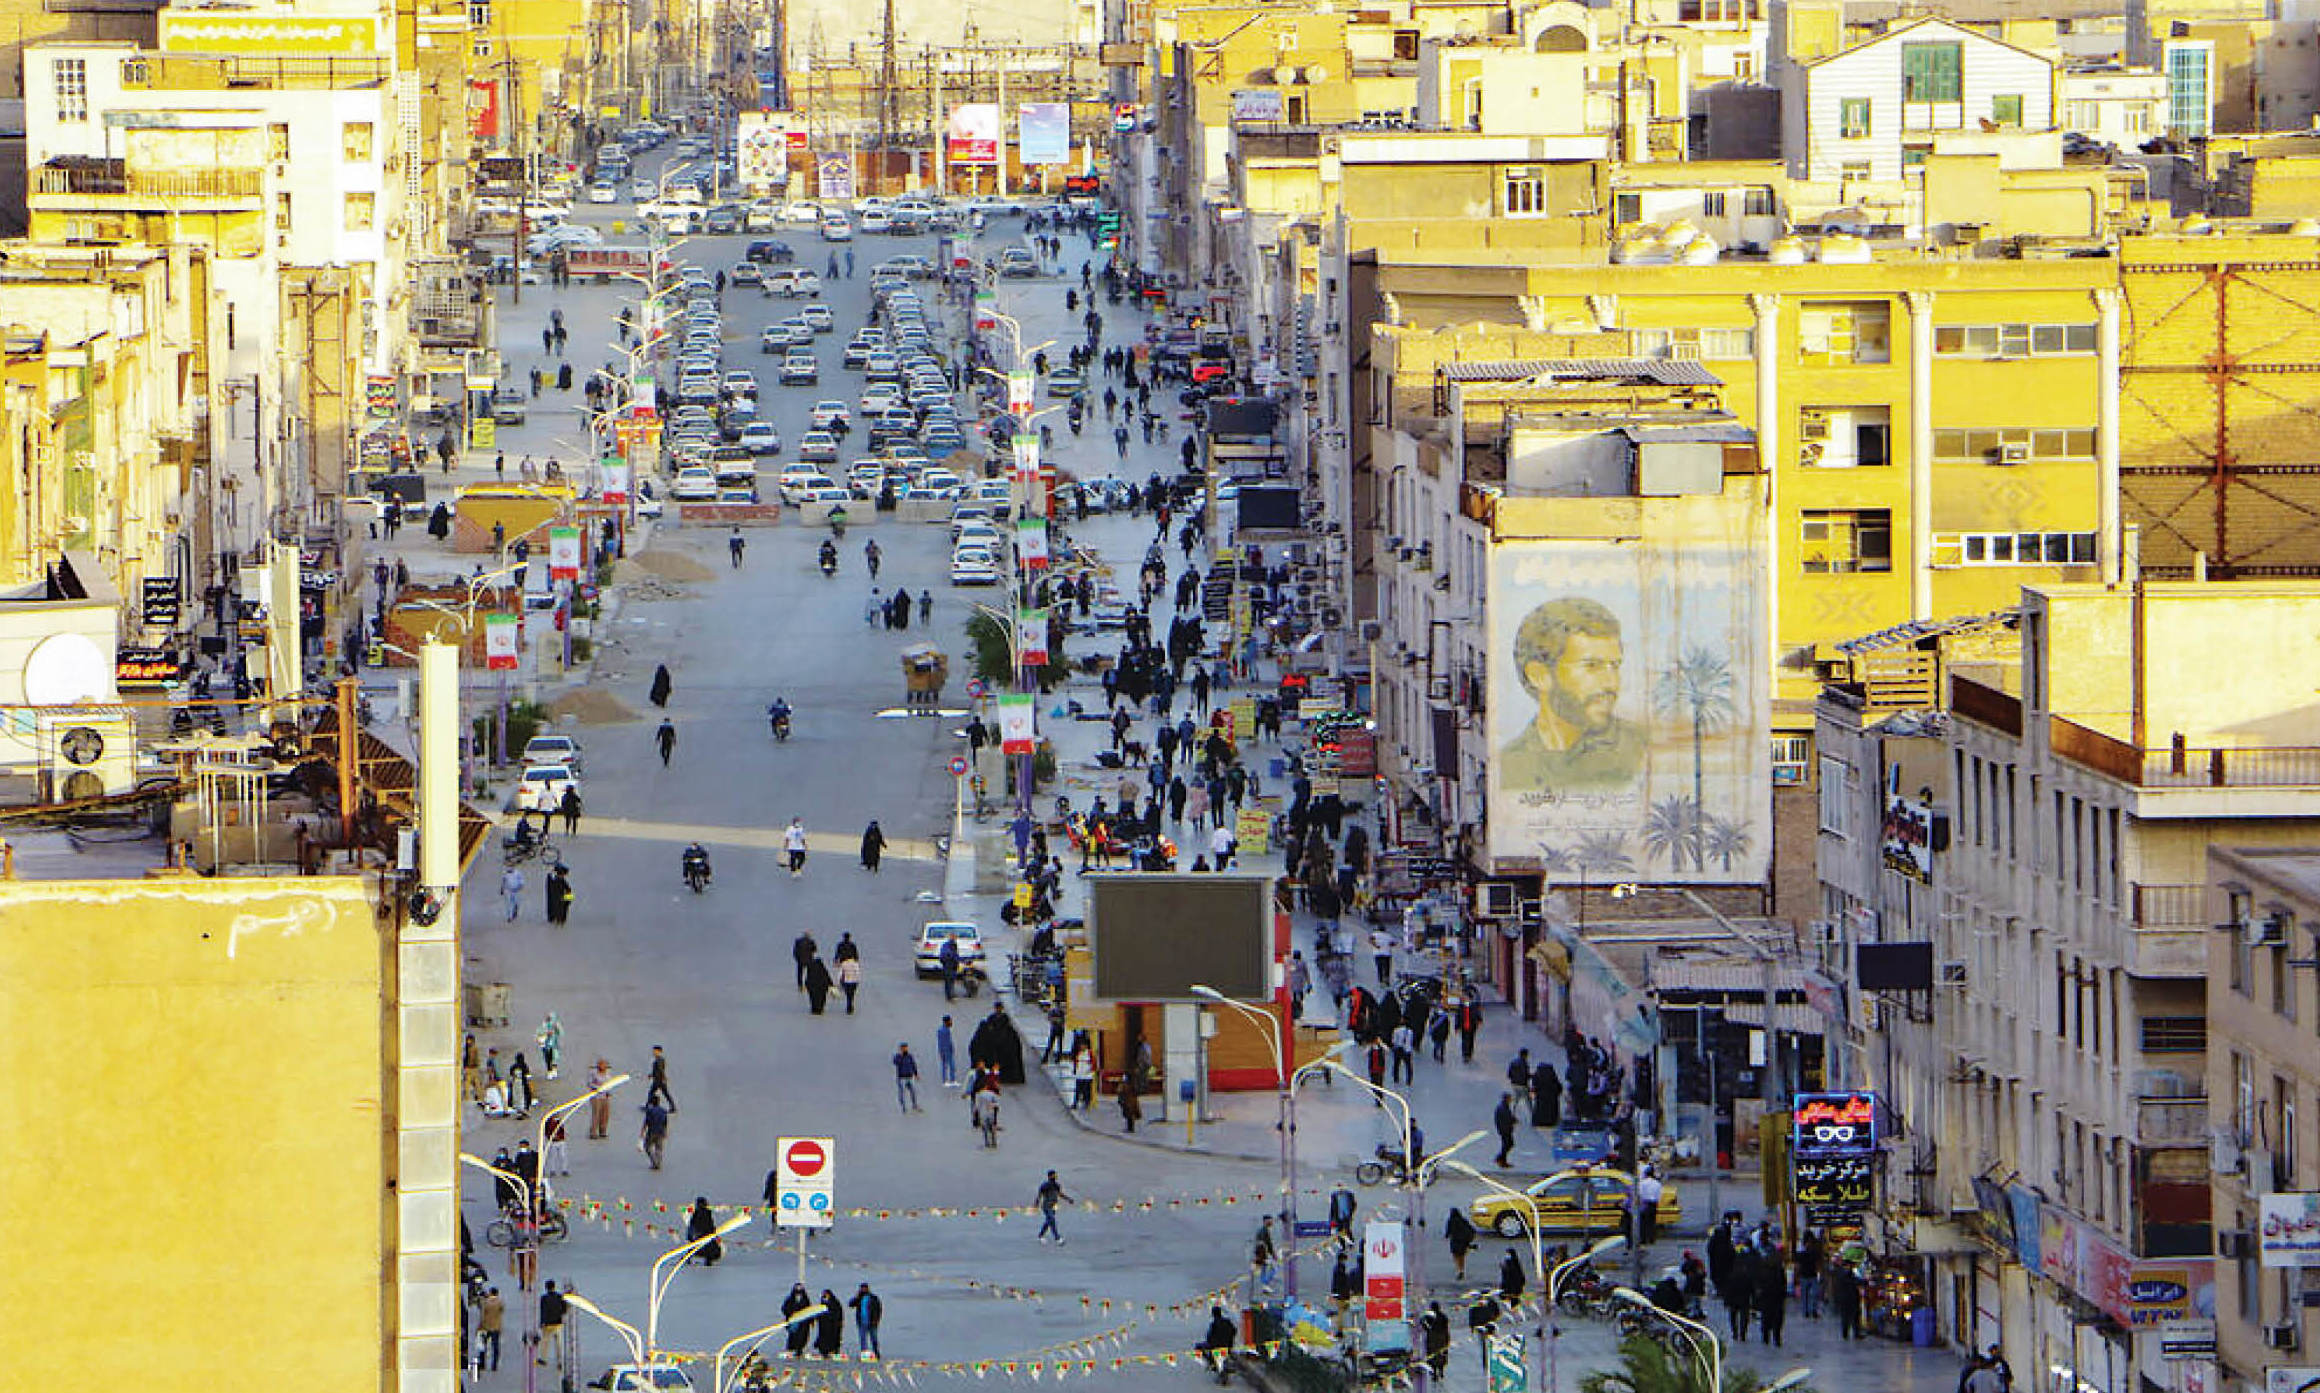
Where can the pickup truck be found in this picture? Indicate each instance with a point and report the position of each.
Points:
(608, 262)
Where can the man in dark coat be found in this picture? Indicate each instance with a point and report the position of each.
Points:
(996, 1045)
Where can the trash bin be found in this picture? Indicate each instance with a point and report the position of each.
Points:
(487, 1005)
(1921, 1327)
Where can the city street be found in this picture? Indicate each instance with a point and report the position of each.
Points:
(644, 962)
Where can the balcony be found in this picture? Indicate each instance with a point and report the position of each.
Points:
(115, 180)
(2170, 931)
(2194, 781)
(2171, 1121)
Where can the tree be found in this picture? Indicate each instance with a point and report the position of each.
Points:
(994, 659)
(1650, 1364)
(1699, 689)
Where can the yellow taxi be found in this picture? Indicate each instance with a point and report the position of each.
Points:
(1585, 1200)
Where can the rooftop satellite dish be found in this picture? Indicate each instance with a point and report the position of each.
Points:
(65, 670)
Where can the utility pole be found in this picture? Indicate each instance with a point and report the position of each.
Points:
(515, 97)
(889, 92)
(935, 125)
(1001, 165)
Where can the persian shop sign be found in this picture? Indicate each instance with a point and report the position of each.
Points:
(270, 35)
(2289, 1234)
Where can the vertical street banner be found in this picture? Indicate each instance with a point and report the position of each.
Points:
(972, 133)
(1015, 727)
(1022, 385)
(563, 553)
(612, 480)
(1043, 133)
(1385, 1300)
(502, 638)
(834, 176)
(1031, 637)
(1031, 541)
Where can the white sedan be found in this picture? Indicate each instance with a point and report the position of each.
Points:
(974, 566)
(694, 486)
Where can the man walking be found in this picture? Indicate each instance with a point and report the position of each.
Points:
(655, 1136)
(552, 1309)
(511, 885)
(944, 1054)
(793, 841)
(735, 544)
(666, 738)
(1503, 1119)
(867, 1311)
(658, 1089)
(1050, 1195)
(906, 1079)
(490, 1319)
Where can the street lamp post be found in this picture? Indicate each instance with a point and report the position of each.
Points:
(1549, 1332)
(1700, 1336)
(629, 1334)
(658, 1284)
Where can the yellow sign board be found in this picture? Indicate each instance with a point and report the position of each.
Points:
(271, 35)
(483, 434)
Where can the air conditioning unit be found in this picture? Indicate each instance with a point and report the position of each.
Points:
(2271, 931)
(2015, 452)
(1953, 974)
(2286, 1335)
(1534, 911)
(1494, 899)
(87, 753)
(2234, 1243)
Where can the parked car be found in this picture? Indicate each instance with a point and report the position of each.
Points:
(543, 785)
(552, 749)
(931, 939)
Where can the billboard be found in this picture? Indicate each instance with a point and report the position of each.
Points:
(1156, 936)
(834, 174)
(2290, 1234)
(1043, 133)
(282, 35)
(1906, 838)
(973, 133)
(1629, 700)
(1258, 104)
(764, 139)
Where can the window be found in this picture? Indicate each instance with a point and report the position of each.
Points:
(72, 88)
(479, 14)
(1712, 204)
(1790, 756)
(2013, 340)
(2006, 110)
(1296, 109)
(2012, 445)
(1931, 72)
(1757, 203)
(1626, 208)
(2284, 1129)
(1833, 797)
(281, 212)
(2189, 110)
(2283, 981)
(1711, 345)
(2174, 1034)
(278, 141)
(1845, 333)
(361, 210)
(1525, 192)
(2243, 954)
(355, 139)
(1727, 345)
(1853, 118)
(1846, 541)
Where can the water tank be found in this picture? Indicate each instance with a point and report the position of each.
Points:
(1644, 250)
(1786, 251)
(1680, 234)
(2304, 227)
(1844, 249)
(2197, 225)
(1700, 251)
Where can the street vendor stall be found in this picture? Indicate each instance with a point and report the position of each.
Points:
(924, 671)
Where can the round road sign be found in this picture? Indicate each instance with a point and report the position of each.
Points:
(958, 766)
(806, 1158)
(975, 688)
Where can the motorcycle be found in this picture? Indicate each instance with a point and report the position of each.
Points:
(829, 559)
(1388, 1164)
(697, 869)
(778, 714)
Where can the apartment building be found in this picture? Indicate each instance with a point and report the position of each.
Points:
(2262, 1093)
(1883, 106)
(2049, 861)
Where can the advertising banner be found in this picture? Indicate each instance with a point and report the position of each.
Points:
(1043, 133)
(1629, 706)
(763, 138)
(483, 108)
(1015, 724)
(834, 177)
(972, 135)
(502, 636)
(283, 35)
(563, 553)
(1258, 104)
(1907, 838)
(612, 480)
(2289, 1235)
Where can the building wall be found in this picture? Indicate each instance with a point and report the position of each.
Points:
(167, 1041)
(1814, 141)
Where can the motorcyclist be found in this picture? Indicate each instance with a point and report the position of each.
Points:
(829, 556)
(696, 865)
(777, 715)
(837, 522)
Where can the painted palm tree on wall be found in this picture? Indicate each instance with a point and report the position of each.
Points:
(1697, 689)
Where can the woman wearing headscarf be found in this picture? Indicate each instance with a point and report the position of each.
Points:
(873, 846)
(699, 1226)
(662, 686)
(801, 1331)
(829, 1326)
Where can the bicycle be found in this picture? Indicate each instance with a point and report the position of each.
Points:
(540, 847)
(501, 1232)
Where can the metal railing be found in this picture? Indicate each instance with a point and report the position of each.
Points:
(2176, 1121)
(2170, 908)
(111, 179)
(2185, 766)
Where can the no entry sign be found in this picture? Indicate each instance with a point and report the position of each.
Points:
(805, 1172)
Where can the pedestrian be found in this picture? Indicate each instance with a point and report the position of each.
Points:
(552, 1310)
(702, 1224)
(849, 980)
(944, 1054)
(666, 738)
(1342, 1207)
(1083, 1075)
(798, 1309)
(734, 545)
(490, 1319)
(1460, 1231)
(657, 1084)
(1982, 1377)
(983, 1105)
(1547, 1101)
(1739, 1292)
(817, 984)
(569, 806)
(1511, 1279)
(905, 1074)
(1381, 947)
(600, 1101)
(1648, 1190)
(803, 950)
(1131, 1107)
(868, 1309)
(1503, 1119)
(1435, 1329)
(873, 846)
(1810, 1255)
(1845, 1299)
(654, 1136)
(662, 686)
(1050, 1195)
(1469, 1025)
(511, 885)
(1518, 1071)
(1771, 1296)
(520, 1095)
(947, 957)
(558, 1160)
(1405, 1048)
(1216, 1343)
(1438, 1030)
(793, 841)
(559, 894)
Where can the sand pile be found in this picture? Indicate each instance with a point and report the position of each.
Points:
(671, 565)
(590, 706)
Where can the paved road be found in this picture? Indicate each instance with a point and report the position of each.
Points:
(643, 962)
